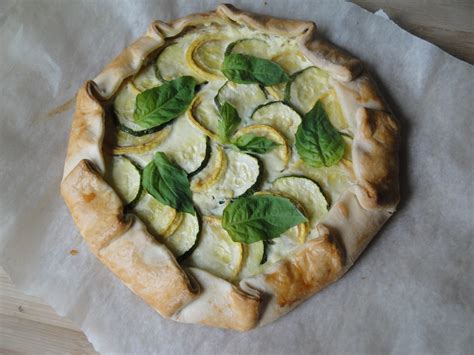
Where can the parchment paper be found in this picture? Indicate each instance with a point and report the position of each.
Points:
(410, 292)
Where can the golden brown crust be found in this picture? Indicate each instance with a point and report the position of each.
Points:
(94, 205)
(87, 131)
(266, 24)
(150, 270)
(307, 271)
(221, 304)
(375, 158)
(329, 57)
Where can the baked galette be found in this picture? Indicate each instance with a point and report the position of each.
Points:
(227, 165)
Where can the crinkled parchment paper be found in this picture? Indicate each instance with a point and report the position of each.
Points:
(410, 292)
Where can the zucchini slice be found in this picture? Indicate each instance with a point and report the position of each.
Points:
(171, 63)
(203, 114)
(146, 79)
(304, 192)
(291, 62)
(156, 216)
(334, 180)
(241, 174)
(128, 144)
(280, 116)
(253, 257)
(124, 107)
(305, 88)
(125, 178)
(216, 252)
(185, 235)
(213, 171)
(250, 46)
(244, 97)
(334, 111)
(205, 56)
(185, 145)
(277, 159)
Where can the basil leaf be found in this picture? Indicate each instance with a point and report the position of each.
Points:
(164, 103)
(254, 144)
(168, 184)
(229, 121)
(247, 69)
(260, 217)
(318, 143)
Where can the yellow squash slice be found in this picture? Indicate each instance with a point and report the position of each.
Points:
(252, 259)
(203, 114)
(156, 216)
(213, 171)
(205, 56)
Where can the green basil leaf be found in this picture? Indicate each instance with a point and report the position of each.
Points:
(229, 121)
(260, 217)
(164, 103)
(254, 144)
(318, 143)
(247, 69)
(168, 184)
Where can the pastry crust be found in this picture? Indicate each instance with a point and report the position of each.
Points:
(152, 272)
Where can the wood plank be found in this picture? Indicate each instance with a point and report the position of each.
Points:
(29, 326)
(447, 24)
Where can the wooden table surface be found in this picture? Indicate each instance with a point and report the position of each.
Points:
(27, 325)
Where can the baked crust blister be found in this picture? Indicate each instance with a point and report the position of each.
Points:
(192, 295)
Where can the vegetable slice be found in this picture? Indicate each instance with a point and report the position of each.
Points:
(203, 115)
(241, 174)
(252, 256)
(124, 107)
(250, 46)
(305, 192)
(306, 87)
(243, 97)
(185, 145)
(185, 236)
(213, 172)
(205, 56)
(291, 62)
(124, 176)
(334, 111)
(216, 252)
(156, 216)
(277, 159)
(128, 144)
(146, 79)
(280, 116)
(333, 180)
(171, 62)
